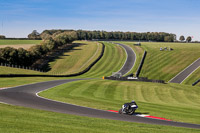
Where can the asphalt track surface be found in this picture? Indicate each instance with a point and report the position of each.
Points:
(130, 61)
(186, 72)
(26, 96)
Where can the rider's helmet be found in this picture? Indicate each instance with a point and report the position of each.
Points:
(132, 101)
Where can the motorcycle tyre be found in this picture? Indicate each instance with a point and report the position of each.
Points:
(130, 113)
(120, 111)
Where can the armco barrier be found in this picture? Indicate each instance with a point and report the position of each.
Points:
(70, 75)
(141, 64)
(144, 79)
(196, 82)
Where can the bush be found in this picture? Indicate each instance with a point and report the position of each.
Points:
(2, 37)
(9, 55)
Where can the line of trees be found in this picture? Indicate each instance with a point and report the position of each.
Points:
(90, 35)
(24, 57)
(147, 36)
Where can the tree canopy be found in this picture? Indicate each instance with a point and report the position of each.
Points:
(182, 38)
(117, 35)
(189, 39)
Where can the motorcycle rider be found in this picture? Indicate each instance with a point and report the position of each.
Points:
(128, 108)
(128, 105)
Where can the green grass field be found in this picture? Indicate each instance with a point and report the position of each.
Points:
(26, 44)
(73, 61)
(10, 70)
(171, 101)
(19, 42)
(16, 119)
(164, 65)
(77, 59)
(162, 100)
(112, 61)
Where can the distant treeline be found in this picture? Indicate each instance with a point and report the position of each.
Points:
(24, 57)
(90, 35)
(52, 39)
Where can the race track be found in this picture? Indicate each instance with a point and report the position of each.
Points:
(179, 78)
(27, 96)
(130, 61)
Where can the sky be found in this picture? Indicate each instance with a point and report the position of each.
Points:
(18, 18)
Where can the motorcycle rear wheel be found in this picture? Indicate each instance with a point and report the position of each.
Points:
(131, 112)
(120, 111)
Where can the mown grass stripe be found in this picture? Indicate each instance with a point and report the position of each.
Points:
(162, 100)
(166, 64)
(111, 61)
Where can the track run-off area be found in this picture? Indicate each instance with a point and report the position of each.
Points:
(27, 96)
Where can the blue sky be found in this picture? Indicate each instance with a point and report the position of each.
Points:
(18, 18)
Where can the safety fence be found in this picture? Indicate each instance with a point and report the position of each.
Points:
(196, 82)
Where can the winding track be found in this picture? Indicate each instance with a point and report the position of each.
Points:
(130, 60)
(27, 96)
(179, 78)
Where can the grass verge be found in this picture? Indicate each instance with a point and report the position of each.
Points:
(77, 59)
(171, 101)
(193, 78)
(112, 61)
(16, 119)
(164, 65)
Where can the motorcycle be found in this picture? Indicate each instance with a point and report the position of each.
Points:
(128, 108)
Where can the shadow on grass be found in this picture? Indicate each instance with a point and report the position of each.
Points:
(44, 63)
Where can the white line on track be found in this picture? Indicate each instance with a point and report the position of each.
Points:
(184, 70)
(126, 58)
(37, 94)
(189, 74)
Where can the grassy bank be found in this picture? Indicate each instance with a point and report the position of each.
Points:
(73, 61)
(112, 61)
(165, 65)
(171, 101)
(16, 119)
(77, 59)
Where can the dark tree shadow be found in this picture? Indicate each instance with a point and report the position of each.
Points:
(44, 63)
